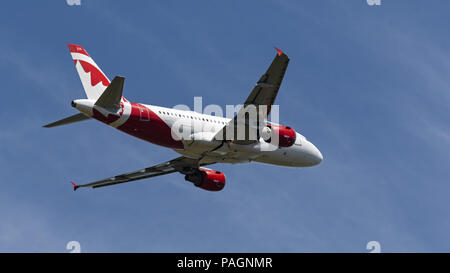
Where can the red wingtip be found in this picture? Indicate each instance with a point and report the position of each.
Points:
(279, 52)
(75, 186)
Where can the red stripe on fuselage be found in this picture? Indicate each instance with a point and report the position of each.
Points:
(154, 130)
(110, 118)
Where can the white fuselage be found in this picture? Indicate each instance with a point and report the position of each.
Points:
(192, 134)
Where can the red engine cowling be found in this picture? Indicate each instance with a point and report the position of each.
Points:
(206, 179)
(286, 135)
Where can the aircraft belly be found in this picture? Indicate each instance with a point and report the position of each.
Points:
(227, 153)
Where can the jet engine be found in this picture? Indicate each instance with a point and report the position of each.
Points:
(285, 135)
(207, 179)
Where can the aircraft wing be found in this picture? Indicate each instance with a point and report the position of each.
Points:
(266, 89)
(181, 164)
(263, 94)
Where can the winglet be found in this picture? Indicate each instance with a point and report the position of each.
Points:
(75, 186)
(279, 52)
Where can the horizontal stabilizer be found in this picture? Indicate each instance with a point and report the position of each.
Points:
(112, 95)
(71, 119)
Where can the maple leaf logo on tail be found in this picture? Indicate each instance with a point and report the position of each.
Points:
(92, 77)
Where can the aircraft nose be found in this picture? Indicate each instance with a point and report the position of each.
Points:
(319, 156)
(315, 155)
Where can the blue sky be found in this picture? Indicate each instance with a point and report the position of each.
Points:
(368, 85)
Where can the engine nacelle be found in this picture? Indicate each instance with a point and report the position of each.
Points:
(206, 179)
(284, 134)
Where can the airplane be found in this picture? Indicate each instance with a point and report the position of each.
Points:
(201, 139)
